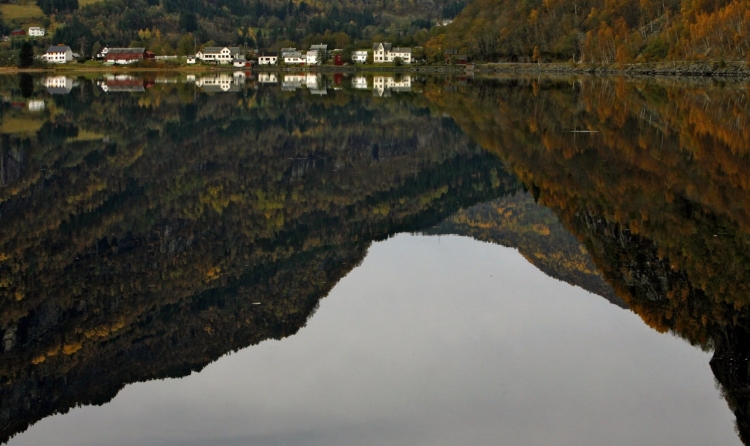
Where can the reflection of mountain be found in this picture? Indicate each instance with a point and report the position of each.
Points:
(516, 221)
(659, 195)
(213, 224)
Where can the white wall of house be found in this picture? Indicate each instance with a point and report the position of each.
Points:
(311, 58)
(58, 56)
(36, 31)
(359, 56)
(294, 60)
(268, 60)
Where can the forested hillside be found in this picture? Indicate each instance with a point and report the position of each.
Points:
(601, 31)
(172, 26)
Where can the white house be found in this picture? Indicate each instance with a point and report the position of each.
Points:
(36, 106)
(444, 22)
(359, 56)
(268, 60)
(102, 55)
(222, 55)
(322, 51)
(240, 62)
(294, 57)
(386, 53)
(312, 57)
(191, 60)
(58, 54)
(36, 31)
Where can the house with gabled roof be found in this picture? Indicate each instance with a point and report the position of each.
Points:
(268, 59)
(218, 54)
(58, 54)
(384, 52)
(128, 55)
(294, 58)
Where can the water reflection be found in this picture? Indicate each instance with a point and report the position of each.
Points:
(136, 249)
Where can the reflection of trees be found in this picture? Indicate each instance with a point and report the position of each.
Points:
(140, 252)
(658, 195)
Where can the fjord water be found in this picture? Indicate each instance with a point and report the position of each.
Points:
(249, 236)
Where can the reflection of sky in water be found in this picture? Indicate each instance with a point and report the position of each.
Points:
(435, 341)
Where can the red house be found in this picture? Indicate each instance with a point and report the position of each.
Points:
(128, 55)
(18, 33)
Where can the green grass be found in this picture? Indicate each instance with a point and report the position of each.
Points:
(20, 125)
(82, 3)
(11, 11)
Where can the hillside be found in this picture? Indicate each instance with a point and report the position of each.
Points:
(601, 31)
(172, 26)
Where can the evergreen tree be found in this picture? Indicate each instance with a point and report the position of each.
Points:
(25, 55)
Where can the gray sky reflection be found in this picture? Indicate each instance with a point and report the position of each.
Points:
(431, 342)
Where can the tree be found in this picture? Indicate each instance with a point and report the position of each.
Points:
(25, 55)
(536, 56)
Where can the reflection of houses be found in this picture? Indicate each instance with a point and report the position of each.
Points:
(267, 78)
(386, 53)
(127, 55)
(382, 86)
(124, 84)
(270, 59)
(222, 55)
(36, 106)
(314, 83)
(359, 56)
(58, 85)
(58, 54)
(359, 83)
(292, 82)
(220, 83)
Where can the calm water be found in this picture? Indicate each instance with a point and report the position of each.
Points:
(299, 259)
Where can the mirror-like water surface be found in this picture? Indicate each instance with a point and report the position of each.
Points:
(152, 225)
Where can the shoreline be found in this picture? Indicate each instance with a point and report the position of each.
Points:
(718, 70)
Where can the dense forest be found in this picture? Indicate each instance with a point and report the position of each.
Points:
(174, 27)
(141, 248)
(601, 31)
(657, 191)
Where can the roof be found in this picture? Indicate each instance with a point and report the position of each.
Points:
(293, 54)
(401, 50)
(386, 46)
(58, 49)
(217, 49)
(319, 46)
(126, 50)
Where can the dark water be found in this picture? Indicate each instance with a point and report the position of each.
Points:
(509, 261)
